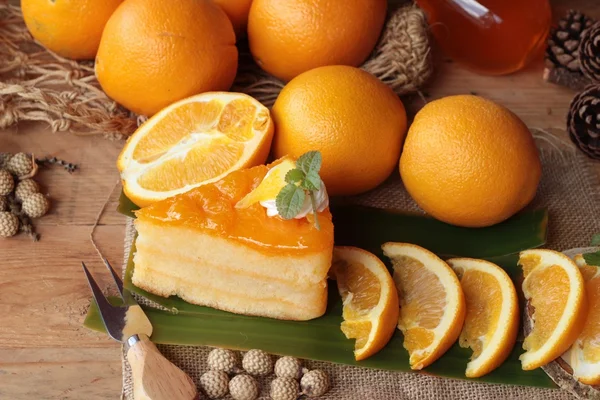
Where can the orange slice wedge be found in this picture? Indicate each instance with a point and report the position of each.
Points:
(432, 304)
(555, 294)
(492, 318)
(370, 299)
(271, 184)
(584, 356)
(192, 142)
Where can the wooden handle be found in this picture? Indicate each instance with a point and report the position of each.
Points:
(155, 377)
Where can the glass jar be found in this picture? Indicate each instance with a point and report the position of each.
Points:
(491, 37)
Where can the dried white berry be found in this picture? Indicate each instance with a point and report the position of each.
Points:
(222, 360)
(284, 389)
(4, 157)
(257, 362)
(21, 165)
(9, 224)
(243, 387)
(215, 384)
(25, 188)
(7, 183)
(288, 367)
(314, 383)
(35, 205)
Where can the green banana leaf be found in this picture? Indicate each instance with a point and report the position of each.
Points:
(321, 338)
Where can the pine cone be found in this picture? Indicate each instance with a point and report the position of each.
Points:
(562, 53)
(589, 52)
(563, 42)
(583, 121)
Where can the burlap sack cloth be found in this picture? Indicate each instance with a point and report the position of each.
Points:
(569, 189)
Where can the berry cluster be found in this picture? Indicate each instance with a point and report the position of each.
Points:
(20, 197)
(288, 370)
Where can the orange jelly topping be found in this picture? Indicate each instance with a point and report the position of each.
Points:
(211, 209)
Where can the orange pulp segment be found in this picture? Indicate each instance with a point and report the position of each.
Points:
(554, 287)
(492, 317)
(193, 142)
(584, 356)
(270, 187)
(370, 299)
(432, 304)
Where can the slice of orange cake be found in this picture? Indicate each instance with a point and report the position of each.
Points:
(201, 247)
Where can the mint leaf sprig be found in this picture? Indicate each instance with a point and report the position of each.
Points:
(302, 181)
(593, 258)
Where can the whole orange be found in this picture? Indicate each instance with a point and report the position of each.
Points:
(70, 28)
(237, 11)
(155, 52)
(354, 120)
(288, 37)
(470, 162)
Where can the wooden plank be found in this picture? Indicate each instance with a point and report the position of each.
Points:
(58, 373)
(45, 352)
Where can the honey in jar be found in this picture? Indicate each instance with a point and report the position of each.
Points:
(491, 37)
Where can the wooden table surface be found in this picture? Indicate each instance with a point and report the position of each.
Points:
(45, 352)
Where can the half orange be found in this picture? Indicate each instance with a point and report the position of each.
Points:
(192, 142)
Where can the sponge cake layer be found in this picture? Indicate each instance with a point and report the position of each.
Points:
(212, 271)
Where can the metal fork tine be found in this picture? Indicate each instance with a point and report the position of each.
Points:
(116, 278)
(103, 304)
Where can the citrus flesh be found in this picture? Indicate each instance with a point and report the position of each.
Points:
(554, 289)
(270, 187)
(492, 316)
(370, 299)
(585, 353)
(192, 142)
(432, 304)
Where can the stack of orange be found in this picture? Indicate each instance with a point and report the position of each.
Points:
(149, 52)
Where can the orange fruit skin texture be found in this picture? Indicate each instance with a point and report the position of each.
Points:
(288, 37)
(70, 28)
(155, 52)
(469, 162)
(237, 11)
(355, 121)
